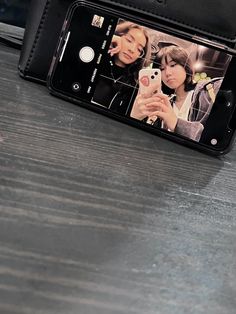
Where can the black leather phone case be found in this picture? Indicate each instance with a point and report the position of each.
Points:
(211, 19)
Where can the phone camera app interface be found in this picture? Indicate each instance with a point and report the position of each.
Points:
(147, 75)
(160, 79)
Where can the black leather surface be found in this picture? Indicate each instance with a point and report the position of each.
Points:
(214, 19)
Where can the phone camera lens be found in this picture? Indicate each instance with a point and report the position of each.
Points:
(152, 77)
(156, 73)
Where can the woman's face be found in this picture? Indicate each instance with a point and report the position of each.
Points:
(132, 47)
(172, 74)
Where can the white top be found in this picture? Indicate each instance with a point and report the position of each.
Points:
(183, 112)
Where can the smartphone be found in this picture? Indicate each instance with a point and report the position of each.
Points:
(150, 81)
(105, 60)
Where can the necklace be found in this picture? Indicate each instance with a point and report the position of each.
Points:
(112, 74)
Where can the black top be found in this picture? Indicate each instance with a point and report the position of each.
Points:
(116, 89)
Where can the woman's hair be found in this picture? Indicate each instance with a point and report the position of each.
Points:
(133, 69)
(181, 57)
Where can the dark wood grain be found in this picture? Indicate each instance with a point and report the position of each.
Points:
(97, 217)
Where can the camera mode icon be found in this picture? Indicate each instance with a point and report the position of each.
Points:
(76, 87)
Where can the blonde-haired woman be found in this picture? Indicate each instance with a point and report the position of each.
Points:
(130, 51)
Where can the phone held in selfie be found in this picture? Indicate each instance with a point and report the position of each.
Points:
(183, 89)
(150, 81)
(150, 85)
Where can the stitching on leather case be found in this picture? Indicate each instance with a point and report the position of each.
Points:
(176, 21)
(45, 11)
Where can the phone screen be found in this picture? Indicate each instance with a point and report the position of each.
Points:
(144, 74)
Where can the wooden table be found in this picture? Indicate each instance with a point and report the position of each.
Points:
(97, 217)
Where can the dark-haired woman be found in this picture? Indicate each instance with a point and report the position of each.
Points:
(188, 109)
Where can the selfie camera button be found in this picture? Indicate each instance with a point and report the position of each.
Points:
(76, 87)
(214, 141)
(86, 54)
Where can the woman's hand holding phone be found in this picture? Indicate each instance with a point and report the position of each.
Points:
(157, 106)
(165, 112)
(145, 107)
